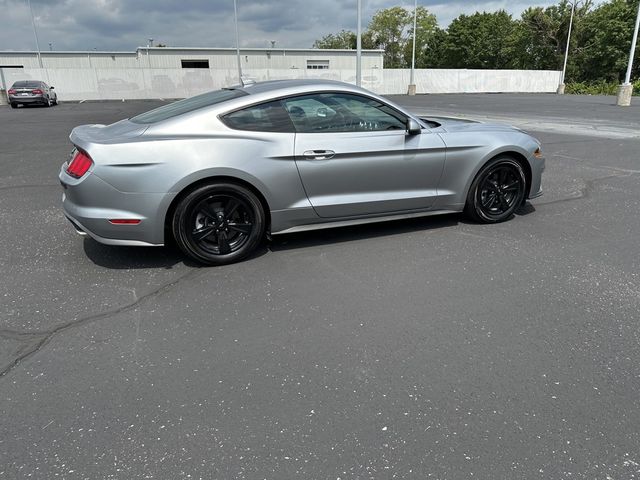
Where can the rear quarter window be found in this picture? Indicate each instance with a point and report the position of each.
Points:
(265, 117)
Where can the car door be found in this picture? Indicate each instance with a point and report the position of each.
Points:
(355, 157)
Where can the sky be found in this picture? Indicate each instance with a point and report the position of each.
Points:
(124, 25)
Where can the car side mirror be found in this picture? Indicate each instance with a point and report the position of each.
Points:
(51, 88)
(413, 127)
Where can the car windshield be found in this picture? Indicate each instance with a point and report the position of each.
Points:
(187, 105)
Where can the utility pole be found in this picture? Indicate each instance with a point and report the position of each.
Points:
(566, 52)
(359, 46)
(412, 83)
(626, 89)
(35, 34)
(235, 11)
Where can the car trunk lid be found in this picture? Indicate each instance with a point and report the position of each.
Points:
(84, 135)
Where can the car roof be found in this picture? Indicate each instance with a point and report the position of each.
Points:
(307, 84)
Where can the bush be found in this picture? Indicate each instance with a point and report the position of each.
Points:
(598, 88)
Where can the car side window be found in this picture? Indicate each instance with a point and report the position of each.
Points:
(341, 112)
(265, 117)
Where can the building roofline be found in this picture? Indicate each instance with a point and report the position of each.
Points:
(263, 49)
(64, 52)
(191, 49)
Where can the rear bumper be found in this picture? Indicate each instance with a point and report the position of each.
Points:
(84, 231)
(89, 203)
(30, 99)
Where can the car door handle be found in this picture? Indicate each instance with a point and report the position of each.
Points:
(319, 154)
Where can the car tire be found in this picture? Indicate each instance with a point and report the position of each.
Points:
(497, 191)
(14, 105)
(218, 223)
(47, 103)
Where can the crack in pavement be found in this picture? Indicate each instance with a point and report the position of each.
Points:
(32, 342)
(590, 185)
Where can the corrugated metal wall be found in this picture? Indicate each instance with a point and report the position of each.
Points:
(163, 58)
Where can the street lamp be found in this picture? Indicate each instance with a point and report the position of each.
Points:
(566, 52)
(359, 46)
(35, 33)
(626, 89)
(412, 83)
(235, 12)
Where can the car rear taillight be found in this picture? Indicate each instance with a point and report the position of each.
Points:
(37, 91)
(12, 91)
(80, 164)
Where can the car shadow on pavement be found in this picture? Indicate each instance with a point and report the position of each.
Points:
(116, 257)
(521, 211)
(120, 257)
(525, 209)
(315, 238)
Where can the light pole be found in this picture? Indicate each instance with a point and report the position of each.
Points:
(626, 89)
(35, 34)
(412, 83)
(566, 51)
(359, 46)
(235, 11)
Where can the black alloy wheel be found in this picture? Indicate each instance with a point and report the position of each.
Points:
(218, 224)
(497, 191)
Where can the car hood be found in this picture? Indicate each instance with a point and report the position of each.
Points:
(122, 130)
(451, 124)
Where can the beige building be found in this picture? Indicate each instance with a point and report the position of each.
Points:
(153, 72)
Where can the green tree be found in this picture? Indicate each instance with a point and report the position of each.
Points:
(388, 31)
(480, 40)
(343, 40)
(431, 55)
(605, 40)
(540, 37)
(426, 32)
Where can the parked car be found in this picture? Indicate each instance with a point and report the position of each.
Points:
(219, 171)
(29, 92)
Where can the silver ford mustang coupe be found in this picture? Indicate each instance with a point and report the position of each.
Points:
(219, 171)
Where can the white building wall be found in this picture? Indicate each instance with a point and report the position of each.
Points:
(257, 58)
(466, 81)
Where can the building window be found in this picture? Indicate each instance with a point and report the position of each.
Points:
(317, 64)
(195, 63)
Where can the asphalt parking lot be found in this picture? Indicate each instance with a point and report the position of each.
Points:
(430, 348)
